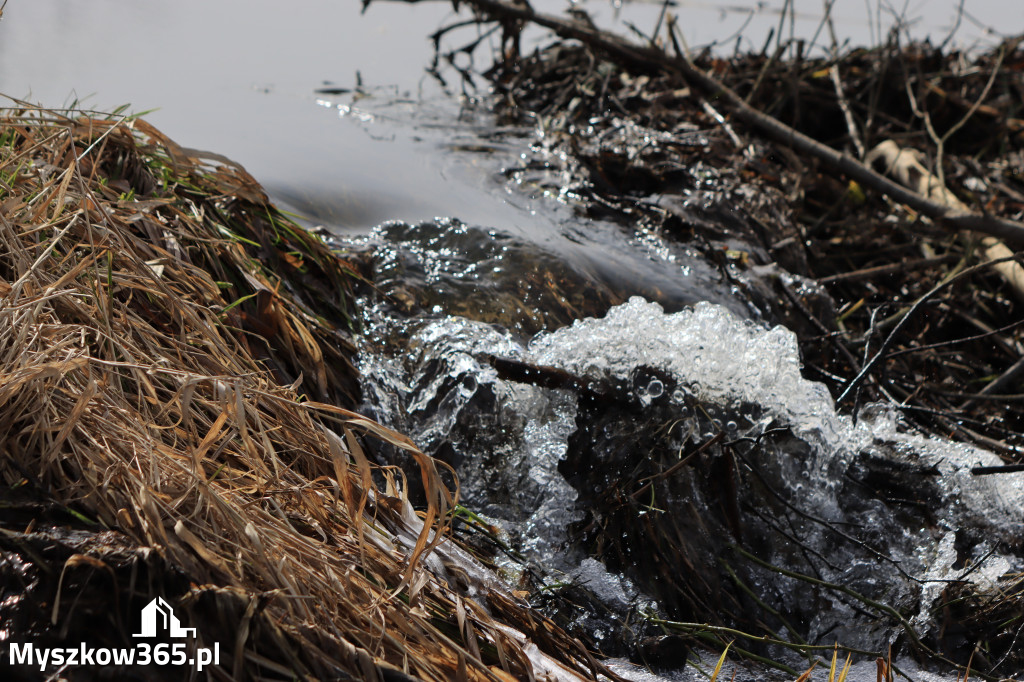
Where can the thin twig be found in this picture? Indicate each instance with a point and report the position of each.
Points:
(844, 105)
(940, 143)
(956, 27)
(857, 380)
(837, 83)
(714, 113)
(868, 273)
(1008, 377)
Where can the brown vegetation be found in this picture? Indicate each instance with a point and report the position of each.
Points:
(174, 372)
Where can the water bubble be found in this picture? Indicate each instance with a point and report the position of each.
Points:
(655, 389)
(468, 386)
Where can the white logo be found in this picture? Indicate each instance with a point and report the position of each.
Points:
(157, 617)
(159, 614)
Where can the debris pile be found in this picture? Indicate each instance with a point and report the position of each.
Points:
(871, 200)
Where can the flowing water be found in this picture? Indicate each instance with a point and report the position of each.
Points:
(592, 470)
(894, 518)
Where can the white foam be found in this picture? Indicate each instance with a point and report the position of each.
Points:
(717, 354)
(724, 359)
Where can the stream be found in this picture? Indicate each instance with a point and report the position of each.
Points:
(558, 461)
(630, 421)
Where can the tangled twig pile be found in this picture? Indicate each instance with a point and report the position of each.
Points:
(858, 198)
(760, 160)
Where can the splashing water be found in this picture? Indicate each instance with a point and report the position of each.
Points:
(724, 359)
(719, 356)
(837, 485)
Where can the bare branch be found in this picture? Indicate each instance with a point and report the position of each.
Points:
(719, 94)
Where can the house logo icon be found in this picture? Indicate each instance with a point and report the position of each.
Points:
(157, 615)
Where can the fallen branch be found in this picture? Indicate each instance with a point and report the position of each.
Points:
(653, 58)
(904, 165)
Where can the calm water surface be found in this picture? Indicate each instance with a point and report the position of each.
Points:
(239, 77)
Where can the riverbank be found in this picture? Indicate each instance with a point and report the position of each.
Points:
(176, 381)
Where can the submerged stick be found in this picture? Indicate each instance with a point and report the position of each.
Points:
(619, 49)
(1003, 469)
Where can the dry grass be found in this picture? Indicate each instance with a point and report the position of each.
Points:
(172, 361)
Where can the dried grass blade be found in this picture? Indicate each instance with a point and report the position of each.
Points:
(721, 662)
(76, 412)
(201, 549)
(211, 436)
(73, 561)
(846, 668)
